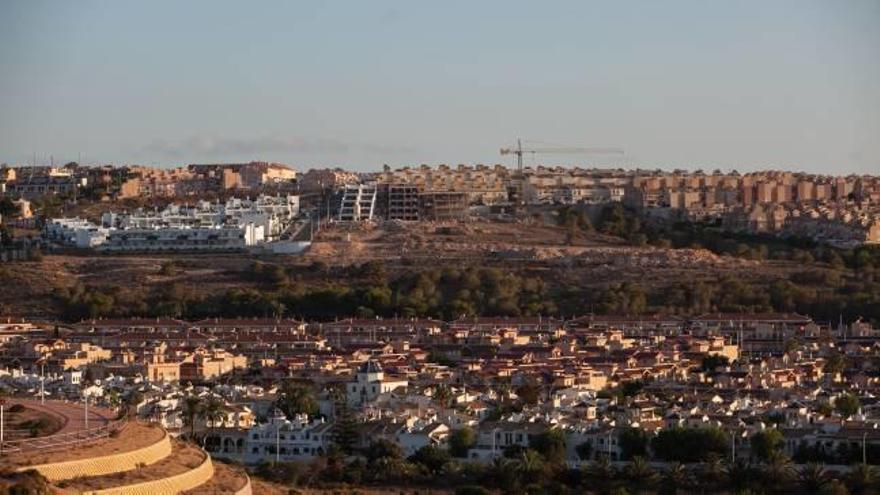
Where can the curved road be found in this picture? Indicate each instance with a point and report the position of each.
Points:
(72, 414)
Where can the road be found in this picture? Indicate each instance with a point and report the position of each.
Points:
(72, 414)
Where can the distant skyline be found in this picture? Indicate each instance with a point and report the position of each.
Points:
(783, 84)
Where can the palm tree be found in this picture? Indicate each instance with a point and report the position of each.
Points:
(640, 474)
(131, 401)
(712, 473)
(530, 465)
(601, 473)
(778, 472)
(443, 395)
(294, 398)
(742, 477)
(813, 478)
(502, 390)
(862, 479)
(503, 473)
(213, 411)
(192, 409)
(675, 477)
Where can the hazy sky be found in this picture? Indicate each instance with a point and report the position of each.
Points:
(733, 84)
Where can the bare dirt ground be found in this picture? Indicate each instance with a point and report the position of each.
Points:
(227, 479)
(184, 457)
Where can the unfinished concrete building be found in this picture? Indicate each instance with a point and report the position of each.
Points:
(358, 203)
(443, 205)
(402, 202)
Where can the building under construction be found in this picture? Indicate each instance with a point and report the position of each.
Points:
(402, 202)
(443, 205)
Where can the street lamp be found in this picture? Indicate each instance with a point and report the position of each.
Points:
(2, 404)
(732, 446)
(42, 381)
(277, 443)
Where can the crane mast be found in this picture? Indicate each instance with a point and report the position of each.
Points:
(518, 150)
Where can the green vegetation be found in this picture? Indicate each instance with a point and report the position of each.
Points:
(462, 440)
(767, 443)
(712, 362)
(847, 405)
(295, 398)
(827, 284)
(540, 469)
(690, 444)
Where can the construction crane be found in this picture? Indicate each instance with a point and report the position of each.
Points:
(519, 151)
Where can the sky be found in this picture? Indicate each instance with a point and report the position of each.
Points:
(746, 85)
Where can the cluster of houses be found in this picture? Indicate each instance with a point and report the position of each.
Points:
(418, 381)
(236, 224)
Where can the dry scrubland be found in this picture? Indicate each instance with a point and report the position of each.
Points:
(590, 260)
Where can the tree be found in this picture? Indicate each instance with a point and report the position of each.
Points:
(674, 478)
(551, 445)
(812, 478)
(530, 465)
(712, 473)
(443, 395)
(689, 444)
(213, 411)
(862, 479)
(7, 207)
(382, 448)
(345, 431)
(431, 457)
(777, 472)
(295, 398)
(633, 442)
(640, 474)
(601, 472)
(130, 403)
(471, 490)
(503, 473)
(847, 405)
(584, 450)
(461, 441)
(192, 410)
(286, 473)
(529, 392)
(766, 443)
(835, 364)
(712, 362)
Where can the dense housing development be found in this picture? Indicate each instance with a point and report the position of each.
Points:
(449, 326)
(837, 210)
(511, 381)
(235, 224)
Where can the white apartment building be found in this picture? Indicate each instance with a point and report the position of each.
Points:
(236, 224)
(279, 439)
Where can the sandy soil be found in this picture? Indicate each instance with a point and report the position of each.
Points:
(184, 457)
(133, 436)
(227, 479)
